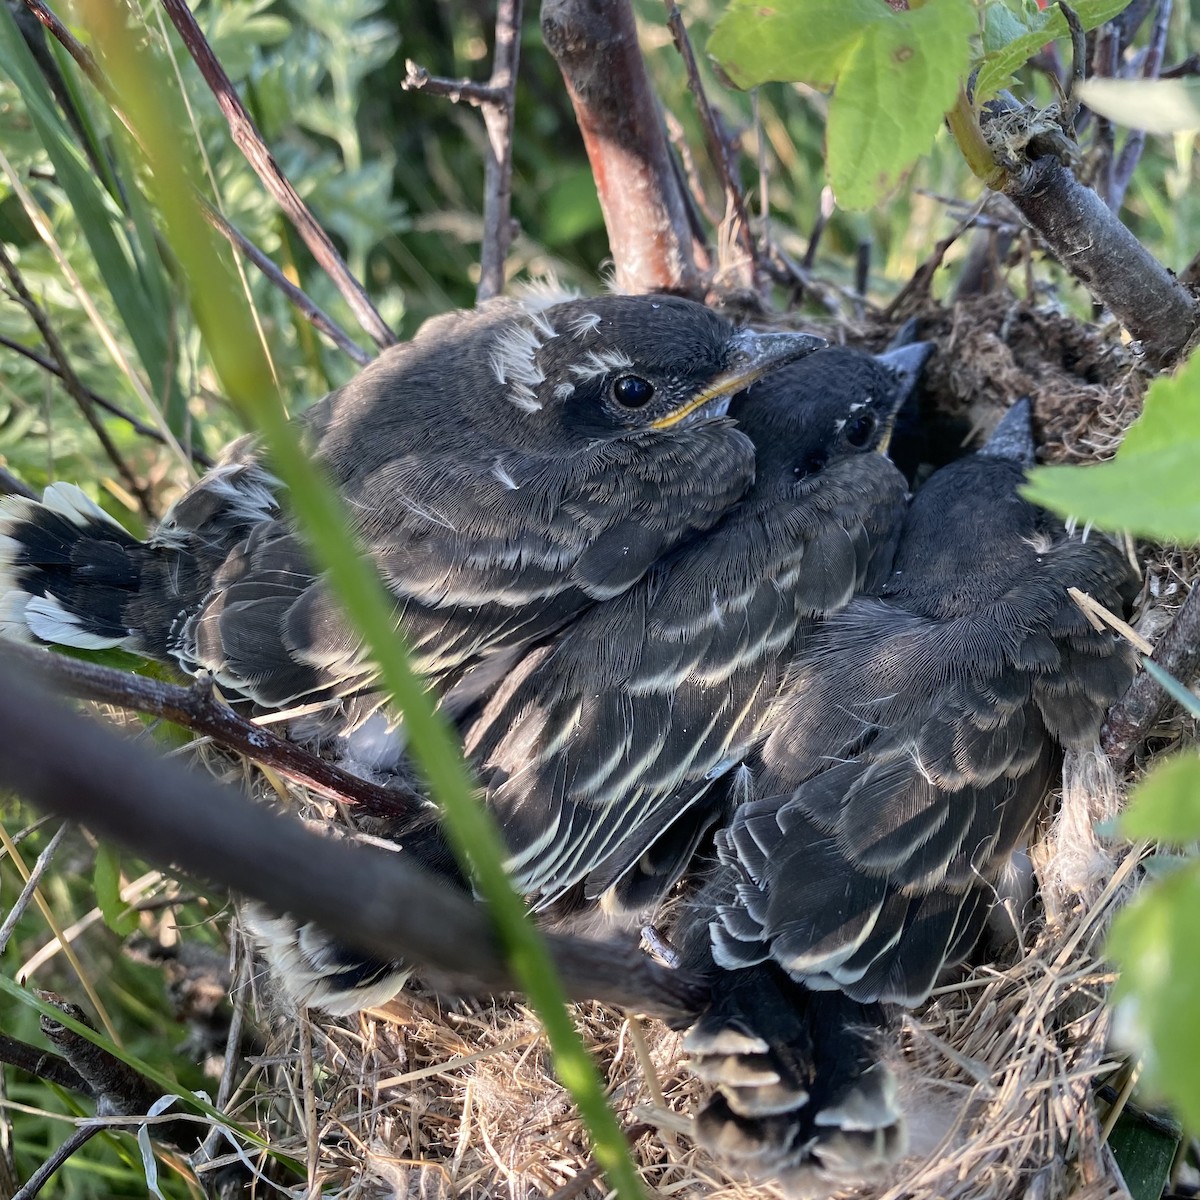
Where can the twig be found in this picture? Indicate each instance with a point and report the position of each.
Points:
(198, 456)
(248, 139)
(1139, 710)
(36, 872)
(595, 45)
(197, 708)
(70, 381)
(80, 53)
(718, 148)
(418, 79)
(375, 901)
(1135, 140)
(496, 99)
(497, 164)
(42, 1064)
(38, 1180)
(824, 212)
(315, 315)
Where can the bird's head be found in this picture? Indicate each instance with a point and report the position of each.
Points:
(838, 404)
(614, 365)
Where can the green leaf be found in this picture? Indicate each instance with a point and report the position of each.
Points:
(1156, 105)
(1165, 806)
(893, 91)
(1144, 1152)
(896, 75)
(791, 41)
(1153, 942)
(1152, 487)
(998, 65)
(106, 880)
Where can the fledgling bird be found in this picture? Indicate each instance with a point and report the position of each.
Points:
(507, 468)
(601, 755)
(908, 757)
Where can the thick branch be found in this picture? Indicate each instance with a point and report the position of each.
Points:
(376, 901)
(1092, 243)
(1139, 710)
(197, 708)
(248, 139)
(42, 1064)
(595, 45)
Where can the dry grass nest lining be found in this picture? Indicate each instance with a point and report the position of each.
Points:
(429, 1098)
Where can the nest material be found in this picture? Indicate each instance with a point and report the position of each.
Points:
(433, 1098)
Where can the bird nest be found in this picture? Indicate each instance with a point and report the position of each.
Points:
(430, 1097)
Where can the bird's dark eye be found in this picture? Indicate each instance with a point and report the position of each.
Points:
(858, 429)
(632, 391)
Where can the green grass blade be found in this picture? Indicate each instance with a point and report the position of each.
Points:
(224, 320)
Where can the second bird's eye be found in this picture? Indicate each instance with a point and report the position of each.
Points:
(632, 391)
(859, 429)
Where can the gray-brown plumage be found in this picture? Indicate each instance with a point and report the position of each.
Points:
(602, 754)
(909, 755)
(599, 755)
(506, 469)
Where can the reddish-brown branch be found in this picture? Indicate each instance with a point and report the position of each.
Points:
(248, 139)
(197, 708)
(645, 211)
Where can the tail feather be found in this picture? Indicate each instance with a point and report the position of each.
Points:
(801, 1094)
(67, 570)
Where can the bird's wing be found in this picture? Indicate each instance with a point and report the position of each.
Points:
(915, 754)
(618, 732)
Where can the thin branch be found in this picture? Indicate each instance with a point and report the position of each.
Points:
(70, 381)
(248, 139)
(718, 150)
(198, 456)
(497, 165)
(42, 1176)
(645, 210)
(1132, 718)
(315, 315)
(197, 708)
(31, 884)
(376, 901)
(418, 79)
(1135, 140)
(80, 53)
(42, 1064)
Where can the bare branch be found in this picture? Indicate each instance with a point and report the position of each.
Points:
(316, 316)
(1132, 718)
(749, 270)
(42, 1176)
(376, 901)
(248, 139)
(645, 211)
(197, 708)
(497, 165)
(418, 79)
(81, 395)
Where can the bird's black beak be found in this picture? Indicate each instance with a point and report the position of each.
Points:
(1013, 437)
(908, 362)
(752, 356)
